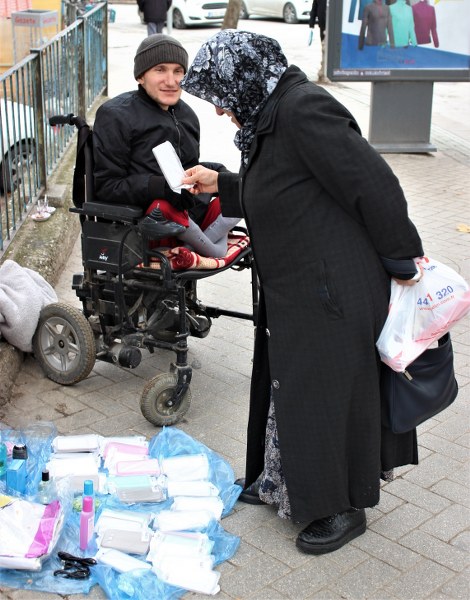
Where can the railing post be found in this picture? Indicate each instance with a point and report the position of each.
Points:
(82, 84)
(105, 49)
(39, 111)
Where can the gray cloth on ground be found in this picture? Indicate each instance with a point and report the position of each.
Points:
(23, 294)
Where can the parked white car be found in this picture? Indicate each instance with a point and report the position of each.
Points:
(18, 145)
(187, 13)
(291, 11)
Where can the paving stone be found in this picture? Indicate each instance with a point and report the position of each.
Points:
(364, 579)
(385, 550)
(452, 428)
(326, 594)
(420, 581)
(92, 383)
(444, 447)
(460, 475)
(455, 492)
(348, 557)
(462, 541)
(450, 522)
(458, 587)
(432, 469)
(273, 543)
(245, 554)
(266, 593)
(244, 520)
(388, 501)
(254, 576)
(64, 405)
(88, 416)
(285, 527)
(400, 521)
(317, 573)
(417, 495)
(103, 404)
(118, 425)
(441, 552)
(21, 594)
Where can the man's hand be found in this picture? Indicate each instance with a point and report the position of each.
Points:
(202, 180)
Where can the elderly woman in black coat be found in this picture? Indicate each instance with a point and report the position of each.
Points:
(329, 227)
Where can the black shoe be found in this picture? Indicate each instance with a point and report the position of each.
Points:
(156, 226)
(331, 533)
(251, 494)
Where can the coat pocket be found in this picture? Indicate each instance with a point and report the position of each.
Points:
(325, 291)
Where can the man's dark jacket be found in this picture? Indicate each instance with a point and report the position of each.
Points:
(126, 129)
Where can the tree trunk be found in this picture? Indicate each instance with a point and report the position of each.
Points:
(232, 14)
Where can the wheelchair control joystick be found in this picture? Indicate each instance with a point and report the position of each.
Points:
(156, 225)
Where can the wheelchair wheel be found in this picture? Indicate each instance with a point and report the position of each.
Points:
(154, 401)
(64, 344)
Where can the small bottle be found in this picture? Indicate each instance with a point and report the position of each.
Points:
(3, 459)
(46, 489)
(16, 476)
(87, 522)
(19, 452)
(88, 488)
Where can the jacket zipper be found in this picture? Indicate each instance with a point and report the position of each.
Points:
(175, 120)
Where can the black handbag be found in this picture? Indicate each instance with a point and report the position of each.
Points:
(423, 390)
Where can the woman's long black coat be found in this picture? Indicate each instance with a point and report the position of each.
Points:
(321, 207)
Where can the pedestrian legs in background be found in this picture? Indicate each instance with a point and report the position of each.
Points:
(155, 28)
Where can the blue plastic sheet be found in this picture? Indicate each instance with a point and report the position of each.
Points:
(174, 442)
(138, 585)
(143, 585)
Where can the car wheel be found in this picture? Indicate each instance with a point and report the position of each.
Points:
(21, 156)
(244, 11)
(178, 20)
(290, 15)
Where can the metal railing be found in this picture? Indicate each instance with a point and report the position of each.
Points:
(65, 75)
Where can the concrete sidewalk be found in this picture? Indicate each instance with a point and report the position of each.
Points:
(417, 543)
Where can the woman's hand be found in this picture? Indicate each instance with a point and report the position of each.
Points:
(202, 180)
(412, 281)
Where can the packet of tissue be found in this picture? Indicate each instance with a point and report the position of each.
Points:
(170, 164)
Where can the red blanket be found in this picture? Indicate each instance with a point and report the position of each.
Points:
(182, 258)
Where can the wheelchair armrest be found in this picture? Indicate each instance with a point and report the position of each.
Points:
(111, 212)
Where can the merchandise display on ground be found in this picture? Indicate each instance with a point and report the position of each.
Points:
(139, 518)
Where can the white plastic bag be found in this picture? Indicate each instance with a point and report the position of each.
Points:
(421, 314)
(28, 532)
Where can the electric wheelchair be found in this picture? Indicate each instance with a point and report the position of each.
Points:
(127, 305)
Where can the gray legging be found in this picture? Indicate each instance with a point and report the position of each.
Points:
(213, 240)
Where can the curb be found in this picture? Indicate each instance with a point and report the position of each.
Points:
(44, 248)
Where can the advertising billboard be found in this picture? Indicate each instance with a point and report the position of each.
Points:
(421, 40)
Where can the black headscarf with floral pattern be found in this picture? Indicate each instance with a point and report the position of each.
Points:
(237, 71)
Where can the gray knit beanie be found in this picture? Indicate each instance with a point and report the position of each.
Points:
(156, 49)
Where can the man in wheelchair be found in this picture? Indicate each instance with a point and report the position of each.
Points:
(137, 296)
(126, 129)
